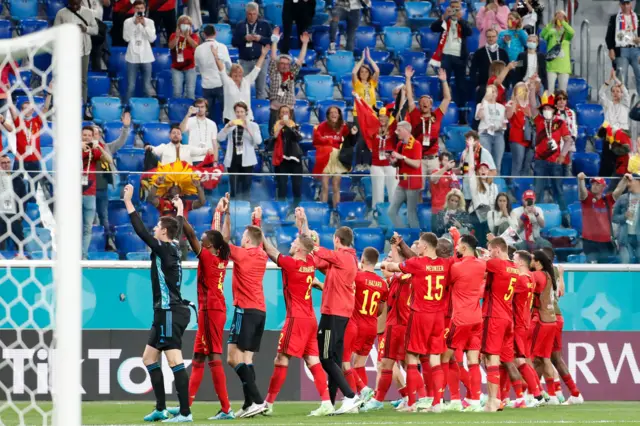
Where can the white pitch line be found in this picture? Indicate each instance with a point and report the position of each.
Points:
(472, 422)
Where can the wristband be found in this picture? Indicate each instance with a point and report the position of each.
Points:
(275, 38)
(217, 219)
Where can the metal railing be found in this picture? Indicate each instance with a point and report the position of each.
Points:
(585, 60)
(601, 59)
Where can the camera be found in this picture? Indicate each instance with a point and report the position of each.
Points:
(529, 202)
(139, 14)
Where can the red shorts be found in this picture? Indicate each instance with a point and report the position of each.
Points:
(298, 337)
(542, 338)
(507, 351)
(380, 345)
(209, 335)
(557, 341)
(394, 347)
(465, 337)
(458, 354)
(521, 342)
(363, 339)
(424, 333)
(497, 332)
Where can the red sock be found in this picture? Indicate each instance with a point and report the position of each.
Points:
(568, 380)
(220, 384)
(359, 383)
(551, 387)
(454, 380)
(414, 383)
(320, 380)
(362, 375)
(437, 375)
(445, 377)
(517, 388)
(475, 380)
(505, 384)
(350, 376)
(558, 385)
(197, 371)
(275, 384)
(386, 377)
(463, 373)
(529, 375)
(426, 375)
(402, 391)
(493, 374)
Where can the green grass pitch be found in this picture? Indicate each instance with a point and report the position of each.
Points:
(292, 413)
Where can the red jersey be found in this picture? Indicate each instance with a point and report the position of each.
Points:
(410, 178)
(596, 217)
(28, 138)
(467, 281)
(517, 125)
(162, 5)
(502, 276)
(430, 278)
(211, 273)
(184, 51)
(297, 277)
(371, 290)
(338, 297)
(399, 300)
(325, 135)
(546, 132)
(523, 301)
(90, 159)
(440, 189)
(502, 92)
(123, 6)
(249, 266)
(429, 126)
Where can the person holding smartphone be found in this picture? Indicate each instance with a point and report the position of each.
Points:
(139, 32)
(203, 132)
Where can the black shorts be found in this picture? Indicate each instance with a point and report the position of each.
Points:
(168, 327)
(331, 337)
(246, 329)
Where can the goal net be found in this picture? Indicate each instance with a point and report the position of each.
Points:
(40, 232)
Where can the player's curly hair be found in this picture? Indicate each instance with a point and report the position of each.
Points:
(547, 266)
(217, 242)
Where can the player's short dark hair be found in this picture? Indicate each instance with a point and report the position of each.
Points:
(549, 252)
(241, 104)
(209, 30)
(137, 2)
(170, 224)
(445, 154)
(371, 255)
(500, 243)
(469, 240)
(444, 249)
(430, 239)
(306, 242)
(217, 242)
(472, 134)
(175, 126)
(255, 235)
(524, 255)
(345, 235)
(89, 128)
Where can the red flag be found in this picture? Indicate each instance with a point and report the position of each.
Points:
(369, 123)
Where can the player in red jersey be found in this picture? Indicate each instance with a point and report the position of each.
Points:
(497, 310)
(371, 295)
(247, 326)
(213, 254)
(465, 334)
(298, 336)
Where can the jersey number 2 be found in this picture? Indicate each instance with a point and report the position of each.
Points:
(307, 296)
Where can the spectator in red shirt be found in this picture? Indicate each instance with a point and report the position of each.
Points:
(407, 157)
(183, 45)
(91, 154)
(163, 15)
(597, 212)
(518, 112)
(442, 181)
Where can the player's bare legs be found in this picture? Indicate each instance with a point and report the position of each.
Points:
(492, 363)
(516, 380)
(359, 363)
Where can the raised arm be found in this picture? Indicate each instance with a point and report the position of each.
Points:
(226, 226)
(304, 39)
(622, 185)
(136, 221)
(263, 56)
(402, 247)
(510, 66)
(408, 73)
(582, 187)
(271, 251)
(446, 91)
(374, 66)
(124, 134)
(192, 238)
(356, 68)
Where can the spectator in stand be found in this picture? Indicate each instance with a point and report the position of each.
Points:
(203, 132)
(598, 240)
(344, 10)
(163, 15)
(243, 137)
(282, 75)
(407, 157)
(514, 38)
(5, 125)
(498, 72)
(237, 87)
(327, 139)
(92, 152)
(558, 31)
(441, 182)
(623, 42)
(480, 156)
(616, 146)
(12, 191)
(300, 11)
(492, 125)
(164, 204)
(451, 53)
(213, 7)
(79, 15)
(533, 63)
(616, 101)
(626, 214)
(6, 70)
(565, 113)
(482, 60)
(207, 67)
(483, 194)
(454, 213)
(28, 126)
(104, 179)
(287, 156)
(499, 219)
(364, 83)
(521, 132)
(122, 9)
(97, 42)
(528, 10)
(249, 37)
(530, 219)
(426, 122)
(183, 45)
(139, 32)
(175, 151)
(492, 16)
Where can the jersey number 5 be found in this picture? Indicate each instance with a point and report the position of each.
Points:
(439, 288)
(373, 306)
(510, 289)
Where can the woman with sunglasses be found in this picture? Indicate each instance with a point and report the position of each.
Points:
(565, 113)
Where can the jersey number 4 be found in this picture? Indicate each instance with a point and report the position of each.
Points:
(373, 303)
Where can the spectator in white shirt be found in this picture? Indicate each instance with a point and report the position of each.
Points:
(139, 32)
(175, 151)
(483, 191)
(492, 125)
(615, 100)
(206, 66)
(237, 88)
(203, 133)
(76, 14)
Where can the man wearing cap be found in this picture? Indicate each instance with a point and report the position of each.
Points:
(623, 41)
(407, 157)
(598, 240)
(626, 214)
(530, 220)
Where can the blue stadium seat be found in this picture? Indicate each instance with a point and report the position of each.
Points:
(177, 108)
(428, 40)
(130, 159)
(6, 29)
(241, 214)
(454, 139)
(591, 116)
(323, 106)
(424, 216)
(582, 139)
(37, 100)
(346, 87)
(149, 215)
(162, 61)
(570, 192)
(144, 109)
(102, 255)
(273, 14)
(46, 137)
(98, 84)
(310, 160)
(500, 182)
(138, 255)
(326, 236)
(112, 131)
(8, 254)
(384, 221)
(309, 59)
(552, 215)
(575, 215)
(53, 6)
(368, 237)
(340, 63)
(397, 39)
(587, 162)
(409, 235)
(98, 239)
(421, 86)
(201, 216)
(386, 84)
(28, 26)
(118, 215)
(353, 214)
(365, 37)
(418, 60)
(117, 65)
(474, 40)
(224, 34)
(418, 14)
(236, 11)
(261, 110)
(302, 111)
(263, 187)
(23, 9)
(106, 109)
(164, 85)
(318, 214)
(274, 213)
(383, 59)
(155, 133)
(577, 258)
(320, 36)
(284, 237)
(578, 91)
(452, 116)
(383, 14)
(306, 130)
(129, 242)
(21, 83)
(318, 87)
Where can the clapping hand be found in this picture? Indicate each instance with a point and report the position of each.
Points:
(127, 193)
